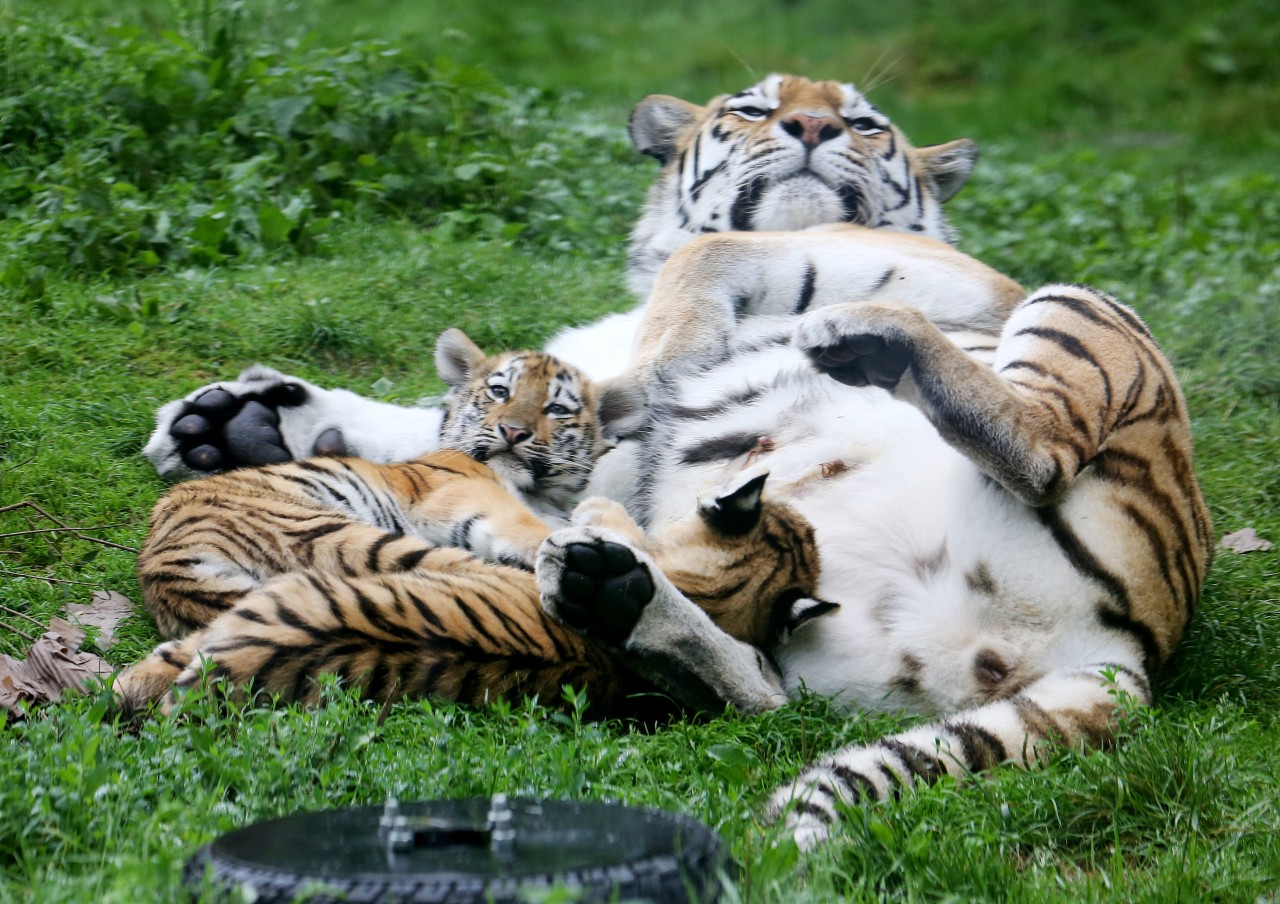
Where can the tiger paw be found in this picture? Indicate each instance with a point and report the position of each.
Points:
(594, 584)
(232, 425)
(859, 344)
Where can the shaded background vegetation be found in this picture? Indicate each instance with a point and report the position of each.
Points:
(186, 188)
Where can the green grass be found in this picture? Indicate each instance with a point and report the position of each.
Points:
(1130, 146)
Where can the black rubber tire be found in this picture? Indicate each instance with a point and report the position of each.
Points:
(690, 868)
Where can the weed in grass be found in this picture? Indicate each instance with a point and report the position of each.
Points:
(129, 151)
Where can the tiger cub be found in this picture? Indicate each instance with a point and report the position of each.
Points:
(400, 617)
(538, 423)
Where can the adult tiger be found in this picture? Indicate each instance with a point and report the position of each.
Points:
(1001, 485)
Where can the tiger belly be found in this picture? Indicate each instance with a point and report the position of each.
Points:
(951, 592)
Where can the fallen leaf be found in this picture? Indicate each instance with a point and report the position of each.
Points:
(1246, 540)
(54, 664)
(104, 612)
(16, 685)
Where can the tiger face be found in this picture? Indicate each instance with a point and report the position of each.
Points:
(785, 154)
(536, 421)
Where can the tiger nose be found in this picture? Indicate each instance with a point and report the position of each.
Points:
(811, 130)
(514, 435)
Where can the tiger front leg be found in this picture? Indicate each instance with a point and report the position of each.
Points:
(592, 580)
(1068, 364)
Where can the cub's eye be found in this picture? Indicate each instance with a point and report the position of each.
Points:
(498, 392)
(555, 409)
(751, 114)
(865, 125)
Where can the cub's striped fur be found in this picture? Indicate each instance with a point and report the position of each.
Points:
(538, 422)
(328, 565)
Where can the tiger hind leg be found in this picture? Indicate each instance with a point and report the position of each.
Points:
(1071, 707)
(151, 679)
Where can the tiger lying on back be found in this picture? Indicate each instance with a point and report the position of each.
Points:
(1001, 484)
(415, 578)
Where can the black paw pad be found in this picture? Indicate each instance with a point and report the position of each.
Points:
(219, 430)
(331, 442)
(864, 361)
(203, 458)
(252, 437)
(215, 403)
(604, 590)
(190, 426)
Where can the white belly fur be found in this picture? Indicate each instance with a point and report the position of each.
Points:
(903, 531)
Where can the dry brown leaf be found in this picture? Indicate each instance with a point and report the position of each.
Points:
(1246, 540)
(16, 685)
(54, 664)
(104, 612)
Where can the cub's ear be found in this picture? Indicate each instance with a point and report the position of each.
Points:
(807, 609)
(457, 357)
(621, 407)
(657, 121)
(949, 165)
(736, 512)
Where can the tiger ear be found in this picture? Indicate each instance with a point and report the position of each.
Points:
(457, 357)
(657, 121)
(738, 511)
(949, 165)
(807, 609)
(621, 407)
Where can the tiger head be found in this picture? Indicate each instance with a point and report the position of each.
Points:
(787, 153)
(536, 421)
(750, 563)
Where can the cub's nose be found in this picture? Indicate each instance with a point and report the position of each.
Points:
(514, 435)
(810, 129)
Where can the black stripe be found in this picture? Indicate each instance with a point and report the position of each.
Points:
(808, 808)
(883, 280)
(1141, 631)
(311, 534)
(460, 533)
(1072, 346)
(513, 627)
(425, 611)
(371, 561)
(374, 614)
(471, 616)
(860, 787)
(469, 687)
(376, 684)
(411, 559)
(719, 448)
(1083, 561)
(894, 780)
(981, 749)
(922, 765)
(807, 288)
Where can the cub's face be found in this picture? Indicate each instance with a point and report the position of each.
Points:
(787, 153)
(538, 422)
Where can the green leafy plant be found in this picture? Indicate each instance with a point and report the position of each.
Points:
(127, 150)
